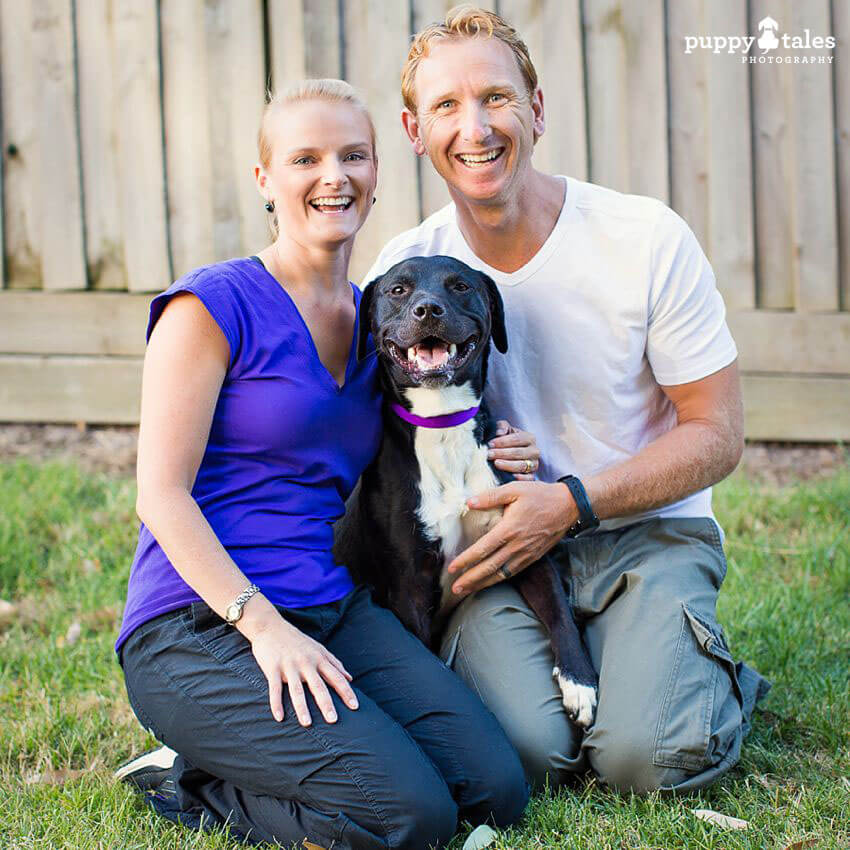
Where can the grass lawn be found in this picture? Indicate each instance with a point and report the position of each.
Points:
(66, 542)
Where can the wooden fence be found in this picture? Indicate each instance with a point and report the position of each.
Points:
(128, 133)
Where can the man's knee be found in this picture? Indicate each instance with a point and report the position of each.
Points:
(629, 766)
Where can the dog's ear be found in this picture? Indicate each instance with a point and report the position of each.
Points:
(498, 332)
(365, 326)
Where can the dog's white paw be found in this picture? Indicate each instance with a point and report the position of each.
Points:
(579, 700)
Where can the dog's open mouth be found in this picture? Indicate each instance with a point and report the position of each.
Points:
(432, 354)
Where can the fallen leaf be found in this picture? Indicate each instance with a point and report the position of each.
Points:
(73, 633)
(308, 845)
(90, 566)
(801, 845)
(723, 821)
(8, 612)
(480, 837)
(53, 777)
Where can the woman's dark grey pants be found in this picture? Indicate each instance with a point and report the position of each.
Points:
(421, 752)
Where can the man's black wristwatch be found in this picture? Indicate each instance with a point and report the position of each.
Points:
(586, 518)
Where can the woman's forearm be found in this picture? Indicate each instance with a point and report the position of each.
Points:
(176, 521)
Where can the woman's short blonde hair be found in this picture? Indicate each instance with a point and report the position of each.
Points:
(464, 21)
(330, 91)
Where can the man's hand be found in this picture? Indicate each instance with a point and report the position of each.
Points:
(536, 517)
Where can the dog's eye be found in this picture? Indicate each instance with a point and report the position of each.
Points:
(461, 287)
(398, 289)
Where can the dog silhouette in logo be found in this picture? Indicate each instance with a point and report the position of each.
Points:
(768, 40)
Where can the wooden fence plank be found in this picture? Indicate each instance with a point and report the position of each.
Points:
(841, 69)
(370, 70)
(784, 341)
(773, 172)
(778, 407)
(96, 323)
(432, 187)
(814, 142)
(102, 198)
(187, 134)
(796, 218)
(236, 70)
(58, 182)
(627, 95)
(20, 147)
(288, 58)
(711, 172)
(70, 389)
(552, 33)
(138, 128)
(305, 40)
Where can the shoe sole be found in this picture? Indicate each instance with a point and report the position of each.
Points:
(162, 758)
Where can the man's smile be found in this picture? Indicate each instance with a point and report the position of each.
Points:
(479, 160)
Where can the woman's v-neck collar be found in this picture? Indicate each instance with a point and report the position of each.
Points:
(309, 336)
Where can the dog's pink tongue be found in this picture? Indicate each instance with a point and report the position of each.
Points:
(433, 356)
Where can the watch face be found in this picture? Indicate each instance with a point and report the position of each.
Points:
(233, 612)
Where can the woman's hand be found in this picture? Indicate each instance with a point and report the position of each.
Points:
(286, 654)
(514, 451)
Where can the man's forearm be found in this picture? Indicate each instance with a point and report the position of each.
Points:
(690, 457)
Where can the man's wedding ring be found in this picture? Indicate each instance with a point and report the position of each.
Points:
(505, 570)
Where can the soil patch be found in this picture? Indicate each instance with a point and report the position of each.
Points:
(113, 450)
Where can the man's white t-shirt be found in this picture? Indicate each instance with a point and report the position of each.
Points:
(619, 299)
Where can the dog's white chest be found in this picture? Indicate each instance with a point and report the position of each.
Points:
(452, 468)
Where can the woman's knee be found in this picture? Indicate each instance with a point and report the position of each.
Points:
(497, 791)
(418, 811)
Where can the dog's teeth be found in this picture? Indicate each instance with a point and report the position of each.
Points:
(411, 354)
(452, 350)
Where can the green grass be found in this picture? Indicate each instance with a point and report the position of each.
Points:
(66, 542)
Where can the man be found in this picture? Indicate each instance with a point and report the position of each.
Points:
(621, 364)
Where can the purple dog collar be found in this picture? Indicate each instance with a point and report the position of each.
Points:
(444, 421)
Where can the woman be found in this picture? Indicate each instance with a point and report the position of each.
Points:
(256, 422)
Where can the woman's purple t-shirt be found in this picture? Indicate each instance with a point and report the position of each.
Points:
(286, 448)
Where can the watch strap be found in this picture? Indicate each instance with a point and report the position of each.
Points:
(587, 519)
(241, 600)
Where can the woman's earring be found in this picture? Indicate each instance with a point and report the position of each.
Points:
(374, 199)
(270, 206)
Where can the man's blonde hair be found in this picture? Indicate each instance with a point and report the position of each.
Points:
(464, 21)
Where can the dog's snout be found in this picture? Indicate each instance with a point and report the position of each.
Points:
(428, 309)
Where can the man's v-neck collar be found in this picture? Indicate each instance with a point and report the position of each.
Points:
(544, 252)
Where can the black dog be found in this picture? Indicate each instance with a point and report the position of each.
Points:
(432, 320)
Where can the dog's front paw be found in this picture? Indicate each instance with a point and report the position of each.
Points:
(579, 700)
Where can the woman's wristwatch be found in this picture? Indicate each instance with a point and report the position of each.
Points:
(233, 612)
(586, 517)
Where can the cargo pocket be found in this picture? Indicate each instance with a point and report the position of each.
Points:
(225, 643)
(700, 722)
